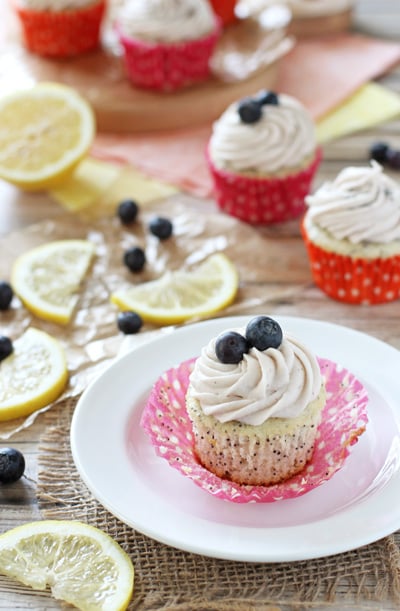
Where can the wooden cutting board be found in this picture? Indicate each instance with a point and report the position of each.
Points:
(122, 108)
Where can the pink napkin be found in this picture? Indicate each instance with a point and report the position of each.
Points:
(321, 73)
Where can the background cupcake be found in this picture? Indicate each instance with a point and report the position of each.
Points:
(309, 17)
(167, 44)
(60, 28)
(352, 233)
(255, 410)
(263, 156)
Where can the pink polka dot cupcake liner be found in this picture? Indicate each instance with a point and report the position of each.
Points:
(168, 67)
(344, 419)
(61, 33)
(263, 201)
(354, 280)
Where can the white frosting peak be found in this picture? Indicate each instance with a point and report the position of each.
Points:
(361, 204)
(166, 20)
(282, 138)
(277, 382)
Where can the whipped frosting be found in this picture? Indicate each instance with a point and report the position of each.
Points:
(299, 8)
(361, 205)
(277, 382)
(55, 5)
(283, 138)
(166, 20)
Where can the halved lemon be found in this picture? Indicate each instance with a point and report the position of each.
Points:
(45, 131)
(47, 278)
(183, 294)
(33, 376)
(82, 565)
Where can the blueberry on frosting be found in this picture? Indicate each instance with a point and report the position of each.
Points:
(250, 109)
(262, 332)
(266, 97)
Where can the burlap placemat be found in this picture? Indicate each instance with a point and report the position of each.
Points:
(168, 579)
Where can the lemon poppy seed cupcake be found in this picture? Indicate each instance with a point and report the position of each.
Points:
(352, 234)
(255, 400)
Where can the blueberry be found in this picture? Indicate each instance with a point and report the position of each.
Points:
(12, 465)
(379, 151)
(161, 227)
(129, 322)
(393, 159)
(6, 347)
(128, 211)
(263, 332)
(230, 347)
(134, 259)
(249, 111)
(267, 98)
(6, 295)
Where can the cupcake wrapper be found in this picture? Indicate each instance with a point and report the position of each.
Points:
(61, 33)
(263, 200)
(167, 67)
(344, 419)
(356, 281)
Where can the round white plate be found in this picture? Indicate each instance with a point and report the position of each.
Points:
(360, 504)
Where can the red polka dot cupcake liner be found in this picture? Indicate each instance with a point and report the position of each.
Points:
(168, 67)
(263, 201)
(354, 280)
(61, 33)
(344, 419)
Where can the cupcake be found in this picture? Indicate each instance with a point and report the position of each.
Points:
(352, 234)
(309, 17)
(167, 44)
(60, 28)
(255, 400)
(262, 156)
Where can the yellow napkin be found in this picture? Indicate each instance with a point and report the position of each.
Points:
(99, 184)
(370, 105)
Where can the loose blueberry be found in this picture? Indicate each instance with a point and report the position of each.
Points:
(263, 332)
(393, 159)
(6, 347)
(128, 211)
(134, 259)
(161, 227)
(230, 347)
(249, 111)
(129, 322)
(6, 295)
(267, 98)
(12, 465)
(379, 151)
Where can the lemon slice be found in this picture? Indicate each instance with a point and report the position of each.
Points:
(82, 564)
(183, 294)
(47, 278)
(34, 375)
(45, 131)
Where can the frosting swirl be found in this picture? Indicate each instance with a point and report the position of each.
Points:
(282, 138)
(274, 383)
(360, 205)
(56, 6)
(166, 20)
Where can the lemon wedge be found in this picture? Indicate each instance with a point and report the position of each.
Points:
(34, 375)
(183, 294)
(45, 131)
(47, 278)
(82, 565)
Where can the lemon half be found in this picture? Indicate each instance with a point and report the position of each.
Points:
(82, 565)
(34, 375)
(45, 131)
(47, 278)
(183, 294)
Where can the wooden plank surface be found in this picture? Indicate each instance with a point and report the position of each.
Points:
(18, 502)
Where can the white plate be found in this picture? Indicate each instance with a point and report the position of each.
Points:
(360, 504)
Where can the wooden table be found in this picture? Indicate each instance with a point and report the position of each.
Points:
(18, 502)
